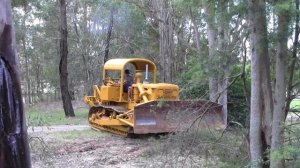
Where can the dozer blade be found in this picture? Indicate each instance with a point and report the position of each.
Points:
(170, 116)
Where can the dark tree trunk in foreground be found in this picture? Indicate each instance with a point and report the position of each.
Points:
(63, 64)
(14, 149)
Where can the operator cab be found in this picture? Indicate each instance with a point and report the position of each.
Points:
(115, 75)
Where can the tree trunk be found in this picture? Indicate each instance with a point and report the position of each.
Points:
(212, 43)
(259, 50)
(108, 37)
(166, 42)
(245, 91)
(280, 88)
(196, 32)
(27, 78)
(14, 148)
(63, 64)
(85, 59)
(223, 84)
(293, 61)
(223, 45)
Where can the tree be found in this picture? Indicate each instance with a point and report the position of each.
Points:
(108, 37)
(280, 85)
(223, 35)
(259, 75)
(267, 112)
(164, 16)
(292, 65)
(14, 149)
(212, 43)
(63, 64)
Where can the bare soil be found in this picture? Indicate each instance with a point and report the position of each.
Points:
(77, 146)
(50, 150)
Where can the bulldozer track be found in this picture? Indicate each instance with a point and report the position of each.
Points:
(112, 129)
(109, 129)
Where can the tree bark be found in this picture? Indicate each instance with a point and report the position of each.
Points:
(259, 50)
(27, 78)
(245, 91)
(14, 148)
(166, 42)
(280, 88)
(195, 27)
(108, 37)
(80, 46)
(223, 45)
(63, 64)
(267, 97)
(212, 46)
(293, 61)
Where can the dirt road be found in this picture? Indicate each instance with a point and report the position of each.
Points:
(57, 128)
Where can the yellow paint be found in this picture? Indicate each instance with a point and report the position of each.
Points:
(110, 94)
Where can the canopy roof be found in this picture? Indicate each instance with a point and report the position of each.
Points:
(139, 63)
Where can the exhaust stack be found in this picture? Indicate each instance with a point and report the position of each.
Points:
(146, 76)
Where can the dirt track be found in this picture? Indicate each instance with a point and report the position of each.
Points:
(57, 128)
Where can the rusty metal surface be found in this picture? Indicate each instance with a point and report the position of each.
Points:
(169, 116)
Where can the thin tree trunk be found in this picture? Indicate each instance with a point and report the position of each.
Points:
(293, 61)
(28, 83)
(108, 37)
(88, 86)
(196, 32)
(246, 95)
(212, 43)
(14, 148)
(223, 44)
(280, 89)
(166, 42)
(63, 64)
(223, 84)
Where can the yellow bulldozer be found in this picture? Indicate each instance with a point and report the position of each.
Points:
(142, 106)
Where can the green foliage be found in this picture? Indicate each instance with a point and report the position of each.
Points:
(237, 105)
(194, 85)
(295, 104)
(200, 147)
(192, 82)
(291, 149)
(16, 3)
(283, 6)
(182, 5)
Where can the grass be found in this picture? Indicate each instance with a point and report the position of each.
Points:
(75, 134)
(37, 117)
(295, 104)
